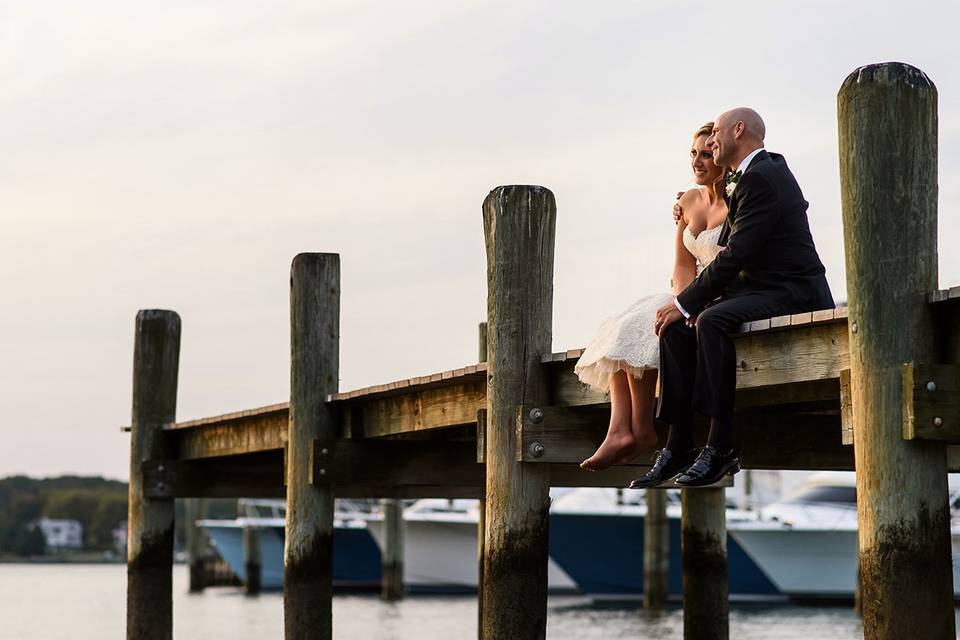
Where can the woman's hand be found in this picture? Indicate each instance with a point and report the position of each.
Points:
(666, 315)
(677, 209)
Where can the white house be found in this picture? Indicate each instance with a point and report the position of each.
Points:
(61, 534)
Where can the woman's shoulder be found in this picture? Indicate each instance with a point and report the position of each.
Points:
(691, 202)
(691, 197)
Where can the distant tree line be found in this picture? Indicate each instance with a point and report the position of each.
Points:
(99, 504)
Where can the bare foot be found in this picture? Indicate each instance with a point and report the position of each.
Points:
(642, 444)
(611, 449)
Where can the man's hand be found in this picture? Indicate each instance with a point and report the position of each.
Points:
(677, 209)
(666, 315)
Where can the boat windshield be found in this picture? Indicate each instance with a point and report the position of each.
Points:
(827, 494)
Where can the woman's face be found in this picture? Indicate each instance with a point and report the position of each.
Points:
(701, 160)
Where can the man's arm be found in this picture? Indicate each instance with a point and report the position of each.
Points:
(757, 217)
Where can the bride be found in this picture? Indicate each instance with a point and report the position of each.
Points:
(625, 354)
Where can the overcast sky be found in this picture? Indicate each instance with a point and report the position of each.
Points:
(179, 154)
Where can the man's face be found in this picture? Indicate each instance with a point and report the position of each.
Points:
(722, 142)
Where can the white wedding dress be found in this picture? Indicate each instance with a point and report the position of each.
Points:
(627, 341)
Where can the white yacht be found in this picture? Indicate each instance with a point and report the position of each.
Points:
(807, 544)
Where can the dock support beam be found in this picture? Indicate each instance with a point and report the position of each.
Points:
(314, 370)
(156, 358)
(391, 580)
(519, 227)
(252, 561)
(656, 551)
(703, 543)
(888, 177)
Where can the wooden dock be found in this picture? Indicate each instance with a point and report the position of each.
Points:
(507, 429)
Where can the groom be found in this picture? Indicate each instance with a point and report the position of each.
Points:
(768, 267)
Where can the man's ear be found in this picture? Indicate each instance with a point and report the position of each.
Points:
(738, 130)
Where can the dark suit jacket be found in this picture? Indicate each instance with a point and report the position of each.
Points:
(768, 246)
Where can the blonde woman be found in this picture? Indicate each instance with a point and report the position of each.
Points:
(624, 356)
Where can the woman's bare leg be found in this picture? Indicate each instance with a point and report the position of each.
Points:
(643, 398)
(619, 437)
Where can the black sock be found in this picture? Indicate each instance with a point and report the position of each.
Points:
(680, 437)
(721, 434)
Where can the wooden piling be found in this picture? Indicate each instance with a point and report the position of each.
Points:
(391, 582)
(656, 551)
(252, 560)
(482, 507)
(703, 545)
(519, 228)
(314, 370)
(156, 358)
(195, 509)
(888, 170)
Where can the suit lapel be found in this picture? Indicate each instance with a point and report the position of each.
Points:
(733, 201)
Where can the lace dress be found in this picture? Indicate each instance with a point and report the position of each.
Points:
(627, 341)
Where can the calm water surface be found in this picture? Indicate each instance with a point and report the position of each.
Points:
(54, 602)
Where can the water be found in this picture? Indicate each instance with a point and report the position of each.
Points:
(87, 602)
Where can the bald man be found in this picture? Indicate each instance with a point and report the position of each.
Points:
(768, 267)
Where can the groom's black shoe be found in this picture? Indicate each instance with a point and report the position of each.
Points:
(667, 465)
(710, 467)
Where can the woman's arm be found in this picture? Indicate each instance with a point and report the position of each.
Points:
(684, 264)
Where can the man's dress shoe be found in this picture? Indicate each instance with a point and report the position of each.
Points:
(667, 465)
(710, 467)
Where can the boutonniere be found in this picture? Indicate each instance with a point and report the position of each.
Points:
(732, 181)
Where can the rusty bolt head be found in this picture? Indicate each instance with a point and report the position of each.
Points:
(324, 451)
(160, 468)
(938, 422)
(323, 472)
(536, 416)
(537, 449)
(931, 386)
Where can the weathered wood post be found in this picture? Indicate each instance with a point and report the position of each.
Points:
(656, 550)
(482, 507)
(519, 226)
(156, 360)
(888, 178)
(252, 561)
(391, 582)
(703, 545)
(314, 370)
(195, 509)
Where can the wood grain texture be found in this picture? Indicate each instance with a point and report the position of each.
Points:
(258, 475)
(314, 371)
(656, 552)
(931, 402)
(846, 407)
(267, 431)
(887, 117)
(703, 546)
(391, 559)
(156, 361)
(519, 227)
(768, 439)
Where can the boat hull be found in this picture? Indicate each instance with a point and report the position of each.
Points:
(356, 557)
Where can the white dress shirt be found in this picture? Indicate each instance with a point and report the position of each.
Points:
(743, 167)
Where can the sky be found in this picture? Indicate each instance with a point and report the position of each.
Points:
(178, 155)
